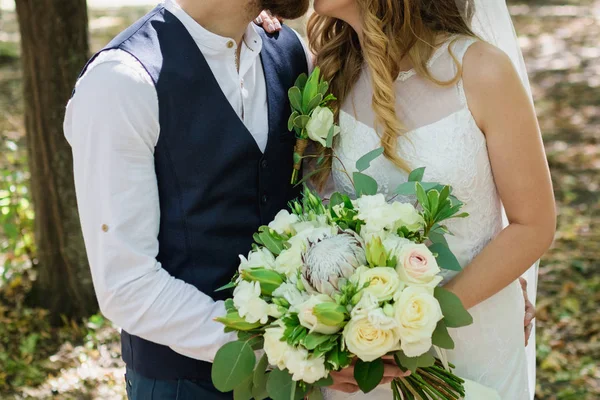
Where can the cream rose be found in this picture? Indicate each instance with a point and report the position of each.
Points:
(309, 320)
(417, 265)
(250, 306)
(417, 313)
(261, 258)
(290, 261)
(283, 222)
(383, 282)
(319, 125)
(371, 333)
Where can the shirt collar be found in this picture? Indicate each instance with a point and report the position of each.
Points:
(211, 43)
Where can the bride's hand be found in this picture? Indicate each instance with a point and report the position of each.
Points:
(268, 22)
(529, 311)
(344, 381)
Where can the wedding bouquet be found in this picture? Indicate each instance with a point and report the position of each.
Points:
(328, 284)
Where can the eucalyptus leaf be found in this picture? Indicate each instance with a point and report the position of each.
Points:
(301, 121)
(445, 258)
(315, 394)
(368, 375)
(259, 378)
(293, 116)
(244, 390)
(455, 314)
(441, 338)
(416, 175)
(412, 363)
(364, 184)
(436, 237)
(280, 386)
(295, 96)
(335, 199)
(234, 363)
(364, 162)
(324, 382)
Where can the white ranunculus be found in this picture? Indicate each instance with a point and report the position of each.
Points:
(250, 306)
(383, 282)
(371, 334)
(289, 291)
(289, 261)
(283, 222)
(276, 349)
(308, 319)
(376, 213)
(261, 258)
(417, 313)
(416, 265)
(405, 214)
(319, 125)
(303, 367)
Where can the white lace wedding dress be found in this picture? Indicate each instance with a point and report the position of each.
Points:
(445, 139)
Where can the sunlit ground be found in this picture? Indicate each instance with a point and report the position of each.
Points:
(562, 50)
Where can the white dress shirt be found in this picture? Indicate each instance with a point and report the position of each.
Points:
(112, 125)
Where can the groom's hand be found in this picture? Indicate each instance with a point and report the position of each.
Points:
(268, 22)
(529, 311)
(344, 381)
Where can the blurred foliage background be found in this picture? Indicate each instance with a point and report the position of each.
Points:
(80, 358)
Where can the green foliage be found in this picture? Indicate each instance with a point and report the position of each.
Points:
(234, 364)
(364, 162)
(455, 314)
(412, 363)
(368, 375)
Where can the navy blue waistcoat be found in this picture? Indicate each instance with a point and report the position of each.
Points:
(215, 185)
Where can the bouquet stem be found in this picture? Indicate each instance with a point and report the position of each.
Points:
(299, 150)
(431, 383)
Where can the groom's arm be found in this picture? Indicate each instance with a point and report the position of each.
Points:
(112, 126)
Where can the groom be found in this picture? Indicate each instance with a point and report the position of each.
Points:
(181, 151)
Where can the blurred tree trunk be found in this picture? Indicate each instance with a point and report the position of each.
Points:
(54, 41)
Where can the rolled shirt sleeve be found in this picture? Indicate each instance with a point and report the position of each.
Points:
(112, 126)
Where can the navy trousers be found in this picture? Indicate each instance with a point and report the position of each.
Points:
(142, 388)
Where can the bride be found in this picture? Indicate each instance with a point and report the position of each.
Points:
(412, 76)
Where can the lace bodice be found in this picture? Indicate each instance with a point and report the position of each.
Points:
(443, 137)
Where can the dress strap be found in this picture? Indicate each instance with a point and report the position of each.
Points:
(459, 49)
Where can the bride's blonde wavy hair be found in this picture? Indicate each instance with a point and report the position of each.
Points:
(392, 31)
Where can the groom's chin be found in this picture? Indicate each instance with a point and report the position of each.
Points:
(286, 9)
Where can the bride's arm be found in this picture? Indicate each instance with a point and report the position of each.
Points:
(506, 115)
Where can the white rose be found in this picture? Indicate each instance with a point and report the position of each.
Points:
(383, 282)
(291, 294)
(371, 335)
(417, 265)
(417, 313)
(261, 258)
(406, 215)
(303, 367)
(283, 222)
(250, 306)
(309, 320)
(276, 349)
(319, 125)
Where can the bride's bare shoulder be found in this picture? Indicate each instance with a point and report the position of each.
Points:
(489, 78)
